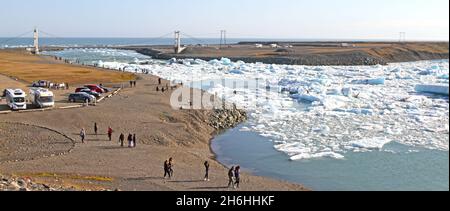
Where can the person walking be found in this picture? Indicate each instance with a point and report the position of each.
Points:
(134, 83)
(206, 164)
(130, 140)
(131, 84)
(95, 128)
(231, 177)
(110, 132)
(121, 139)
(170, 167)
(237, 176)
(166, 169)
(83, 135)
(134, 140)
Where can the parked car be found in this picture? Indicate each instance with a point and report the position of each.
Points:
(40, 83)
(81, 88)
(95, 88)
(90, 92)
(81, 97)
(106, 89)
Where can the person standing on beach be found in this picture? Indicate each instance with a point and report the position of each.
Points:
(131, 84)
(206, 170)
(134, 140)
(159, 81)
(231, 177)
(121, 139)
(83, 135)
(237, 176)
(134, 83)
(130, 140)
(110, 132)
(95, 128)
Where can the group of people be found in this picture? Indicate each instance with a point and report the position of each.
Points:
(133, 84)
(131, 140)
(168, 168)
(234, 172)
(164, 88)
(234, 177)
(131, 137)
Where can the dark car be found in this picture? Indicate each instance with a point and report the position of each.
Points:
(80, 97)
(88, 91)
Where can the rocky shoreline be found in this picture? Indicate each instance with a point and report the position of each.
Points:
(8, 183)
(222, 119)
(355, 58)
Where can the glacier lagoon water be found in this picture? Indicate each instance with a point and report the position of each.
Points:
(382, 170)
(330, 128)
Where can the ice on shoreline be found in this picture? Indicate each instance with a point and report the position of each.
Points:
(343, 108)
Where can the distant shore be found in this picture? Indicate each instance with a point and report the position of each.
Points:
(298, 53)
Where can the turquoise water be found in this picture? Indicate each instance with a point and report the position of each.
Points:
(370, 171)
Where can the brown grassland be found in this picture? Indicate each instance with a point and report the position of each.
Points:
(28, 68)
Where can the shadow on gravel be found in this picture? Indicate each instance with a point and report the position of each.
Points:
(144, 178)
(210, 188)
(187, 181)
(112, 148)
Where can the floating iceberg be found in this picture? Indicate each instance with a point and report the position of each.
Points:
(225, 61)
(376, 81)
(372, 143)
(238, 72)
(304, 156)
(306, 97)
(441, 89)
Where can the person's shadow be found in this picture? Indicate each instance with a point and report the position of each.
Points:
(144, 178)
(186, 181)
(210, 188)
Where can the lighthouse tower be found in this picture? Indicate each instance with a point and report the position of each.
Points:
(36, 41)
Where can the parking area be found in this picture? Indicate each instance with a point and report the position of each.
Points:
(61, 96)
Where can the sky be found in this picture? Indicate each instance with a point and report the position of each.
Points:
(284, 19)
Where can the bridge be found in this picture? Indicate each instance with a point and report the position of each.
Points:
(38, 47)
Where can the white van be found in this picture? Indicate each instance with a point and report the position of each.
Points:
(15, 98)
(42, 98)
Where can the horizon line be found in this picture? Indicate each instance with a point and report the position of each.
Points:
(253, 38)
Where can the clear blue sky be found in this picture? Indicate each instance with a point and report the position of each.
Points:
(340, 19)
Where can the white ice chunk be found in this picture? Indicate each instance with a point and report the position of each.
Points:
(304, 156)
(371, 143)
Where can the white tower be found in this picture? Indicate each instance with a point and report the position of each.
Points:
(36, 41)
(223, 38)
(177, 42)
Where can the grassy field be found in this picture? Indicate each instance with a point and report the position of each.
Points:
(28, 68)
